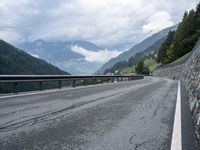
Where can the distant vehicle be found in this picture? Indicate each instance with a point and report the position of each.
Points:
(117, 72)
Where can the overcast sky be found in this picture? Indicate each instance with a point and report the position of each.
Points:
(104, 22)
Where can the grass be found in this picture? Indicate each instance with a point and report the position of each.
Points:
(128, 70)
(181, 58)
(151, 63)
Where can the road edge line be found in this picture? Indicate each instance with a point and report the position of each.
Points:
(176, 142)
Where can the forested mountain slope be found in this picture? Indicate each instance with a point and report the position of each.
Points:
(181, 41)
(14, 61)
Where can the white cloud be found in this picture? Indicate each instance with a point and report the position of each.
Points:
(9, 35)
(105, 22)
(158, 21)
(101, 56)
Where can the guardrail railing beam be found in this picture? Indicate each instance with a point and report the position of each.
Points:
(76, 80)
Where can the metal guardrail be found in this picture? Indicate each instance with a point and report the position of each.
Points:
(15, 79)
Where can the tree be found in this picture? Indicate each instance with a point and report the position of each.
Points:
(141, 68)
(146, 70)
(185, 30)
(164, 54)
(183, 39)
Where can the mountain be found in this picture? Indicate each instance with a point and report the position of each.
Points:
(62, 55)
(147, 53)
(14, 61)
(142, 46)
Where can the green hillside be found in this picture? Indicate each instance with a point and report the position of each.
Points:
(151, 64)
(149, 55)
(181, 58)
(14, 61)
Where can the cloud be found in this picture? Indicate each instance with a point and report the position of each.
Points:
(101, 56)
(104, 22)
(158, 21)
(9, 35)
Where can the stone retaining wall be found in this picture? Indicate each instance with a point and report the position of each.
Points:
(189, 75)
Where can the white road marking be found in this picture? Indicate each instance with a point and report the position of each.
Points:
(176, 143)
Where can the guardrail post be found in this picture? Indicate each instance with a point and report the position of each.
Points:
(41, 85)
(100, 80)
(60, 84)
(94, 81)
(16, 80)
(107, 79)
(15, 87)
(74, 83)
(84, 82)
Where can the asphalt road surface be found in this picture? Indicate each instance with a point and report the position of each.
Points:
(133, 115)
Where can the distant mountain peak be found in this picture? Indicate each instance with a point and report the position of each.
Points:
(60, 54)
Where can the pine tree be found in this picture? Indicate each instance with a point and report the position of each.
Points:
(164, 54)
(184, 38)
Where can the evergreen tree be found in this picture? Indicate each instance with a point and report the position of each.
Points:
(164, 56)
(183, 40)
(141, 68)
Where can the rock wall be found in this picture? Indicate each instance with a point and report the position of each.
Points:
(188, 72)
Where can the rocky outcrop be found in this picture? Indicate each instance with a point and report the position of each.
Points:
(188, 72)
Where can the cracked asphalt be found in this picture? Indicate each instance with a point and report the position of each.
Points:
(133, 115)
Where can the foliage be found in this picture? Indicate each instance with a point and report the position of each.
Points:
(151, 63)
(149, 53)
(128, 70)
(141, 68)
(181, 58)
(129, 66)
(162, 53)
(181, 41)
